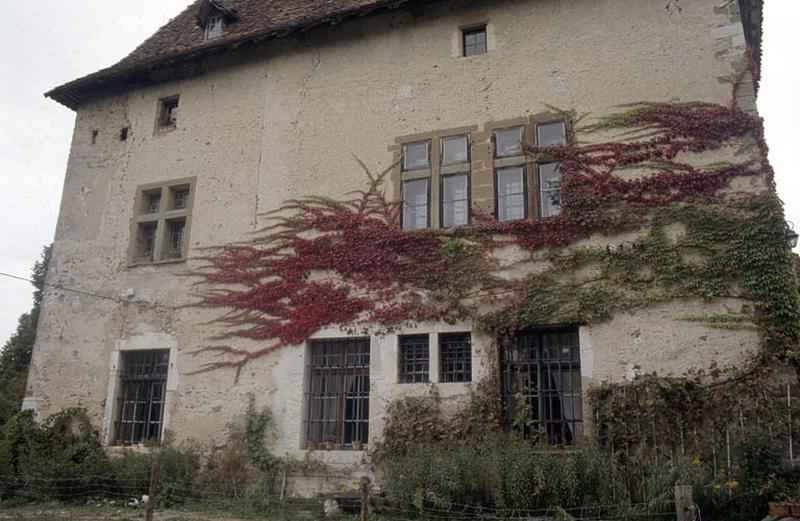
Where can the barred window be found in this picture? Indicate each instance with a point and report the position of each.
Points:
(541, 380)
(414, 358)
(141, 403)
(338, 412)
(455, 351)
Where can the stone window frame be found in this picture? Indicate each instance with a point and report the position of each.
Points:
(531, 167)
(435, 169)
(115, 385)
(161, 218)
(546, 119)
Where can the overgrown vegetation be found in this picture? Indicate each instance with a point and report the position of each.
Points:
(62, 459)
(15, 356)
(429, 466)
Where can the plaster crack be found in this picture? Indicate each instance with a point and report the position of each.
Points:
(303, 94)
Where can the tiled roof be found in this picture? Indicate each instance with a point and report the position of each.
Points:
(182, 37)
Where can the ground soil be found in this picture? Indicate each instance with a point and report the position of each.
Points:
(102, 513)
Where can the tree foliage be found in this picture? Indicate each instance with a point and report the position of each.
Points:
(16, 354)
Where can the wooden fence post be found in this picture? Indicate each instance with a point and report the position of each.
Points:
(365, 499)
(151, 496)
(684, 503)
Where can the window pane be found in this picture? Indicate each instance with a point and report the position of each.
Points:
(551, 134)
(550, 189)
(415, 204)
(414, 353)
(454, 150)
(475, 41)
(455, 200)
(508, 142)
(542, 368)
(456, 357)
(415, 155)
(338, 410)
(510, 193)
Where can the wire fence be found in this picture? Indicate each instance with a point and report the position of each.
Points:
(254, 501)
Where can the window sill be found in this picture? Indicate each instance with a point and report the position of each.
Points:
(137, 264)
(340, 448)
(165, 129)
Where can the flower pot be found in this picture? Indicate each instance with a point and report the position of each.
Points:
(780, 509)
(794, 509)
(357, 445)
(329, 445)
(312, 445)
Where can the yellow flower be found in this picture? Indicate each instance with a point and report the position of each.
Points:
(696, 461)
(732, 484)
(717, 487)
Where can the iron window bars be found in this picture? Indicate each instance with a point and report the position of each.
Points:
(141, 403)
(338, 411)
(414, 359)
(455, 351)
(541, 384)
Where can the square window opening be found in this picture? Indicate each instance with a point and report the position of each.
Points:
(455, 351)
(141, 400)
(416, 155)
(168, 113)
(414, 359)
(179, 197)
(508, 142)
(415, 204)
(474, 41)
(455, 150)
(549, 134)
(151, 201)
(123, 134)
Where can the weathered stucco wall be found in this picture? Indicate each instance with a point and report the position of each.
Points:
(286, 120)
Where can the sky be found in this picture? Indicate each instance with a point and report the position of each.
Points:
(49, 42)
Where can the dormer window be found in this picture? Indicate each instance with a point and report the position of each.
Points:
(215, 26)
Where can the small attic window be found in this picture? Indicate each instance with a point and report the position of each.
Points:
(215, 26)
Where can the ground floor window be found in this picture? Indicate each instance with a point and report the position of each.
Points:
(338, 412)
(141, 402)
(541, 383)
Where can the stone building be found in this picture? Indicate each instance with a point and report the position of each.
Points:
(235, 106)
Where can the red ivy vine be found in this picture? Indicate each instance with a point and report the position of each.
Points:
(325, 262)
